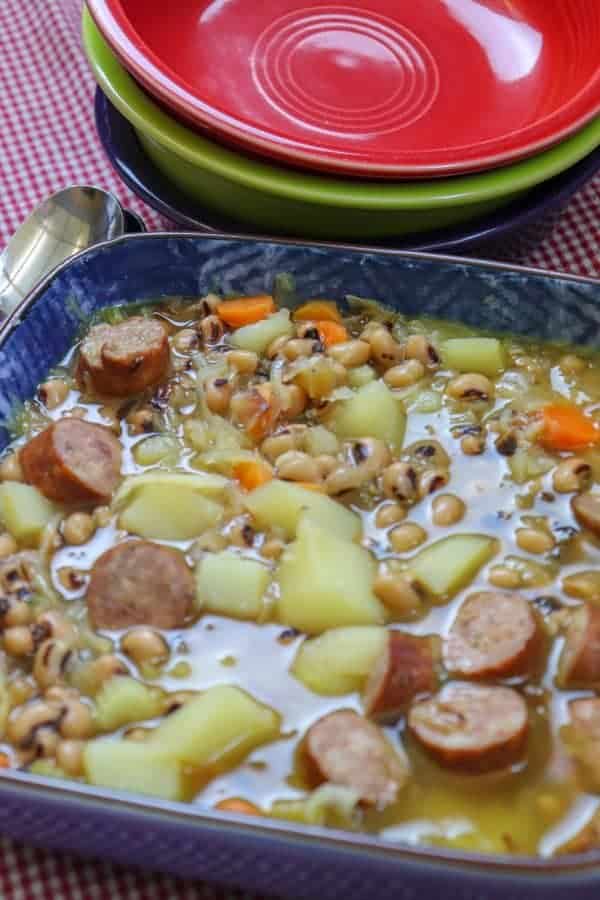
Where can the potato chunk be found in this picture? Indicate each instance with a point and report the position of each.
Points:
(123, 700)
(325, 582)
(339, 661)
(451, 563)
(258, 336)
(281, 504)
(229, 585)
(160, 512)
(24, 511)
(217, 728)
(474, 354)
(133, 766)
(374, 411)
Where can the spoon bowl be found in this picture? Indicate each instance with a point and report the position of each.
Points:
(67, 222)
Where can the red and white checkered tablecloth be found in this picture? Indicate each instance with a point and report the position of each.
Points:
(47, 140)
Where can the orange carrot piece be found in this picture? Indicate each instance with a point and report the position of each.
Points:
(567, 428)
(237, 805)
(246, 310)
(322, 310)
(4, 761)
(331, 332)
(252, 473)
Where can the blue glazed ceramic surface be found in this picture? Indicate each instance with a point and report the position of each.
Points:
(270, 857)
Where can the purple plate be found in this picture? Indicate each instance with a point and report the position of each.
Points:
(509, 233)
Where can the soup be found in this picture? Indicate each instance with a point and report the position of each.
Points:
(335, 567)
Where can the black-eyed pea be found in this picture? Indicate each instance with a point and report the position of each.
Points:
(240, 532)
(398, 593)
(145, 645)
(447, 509)
(53, 392)
(45, 743)
(470, 388)
(186, 341)
(583, 585)
(18, 641)
(326, 464)
(71, 579)
(137, 734)
(208, 305)
(432, 480)
(10, 468)
(18, 613)
(385, 351)
(78, 528)
(218, 392)
(296, 348)
(428, 453)
(389, 514)
(272, 548)
(8, 545)
(24, 722)
(472, 444)
(420, 348)
(245, 362)
(401, 482)
(572, 475)
(351, 353)
(407, 536)
(141, 421)
(366, 459)
(533, 540)
(276, 347)
(307, 330)
(51, 662)
(57, 626)
(103, 668)
(294, 400)
(77, 721)
(211, 330)
(102, 516)
(276, 445)
(298, 466)
(405, 374)
(69, 757)
(21, 690)
(504, 577)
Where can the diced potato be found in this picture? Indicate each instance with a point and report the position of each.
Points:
(325, 582)
(229, 585)
(158, 448)
(133, 766)
(281, 504)
(222, 461)
(225, 436)
(122, 700)
(320, 440)
(206, 483)
(316, 375)
(474, 354)
(24, 511)
(167, 513)
(339, 661)
(219, 727)
(451, 563)
(360, 376)
(374, 411)
(257, 337)
(329, 804)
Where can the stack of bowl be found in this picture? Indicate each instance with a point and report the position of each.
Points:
(365, 121)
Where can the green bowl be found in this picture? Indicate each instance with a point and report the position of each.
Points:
(276, 199)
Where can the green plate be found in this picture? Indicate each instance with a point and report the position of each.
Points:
(281, 200)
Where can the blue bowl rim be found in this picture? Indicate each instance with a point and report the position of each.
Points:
(272, 830)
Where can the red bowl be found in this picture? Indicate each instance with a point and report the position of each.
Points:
(372, 88)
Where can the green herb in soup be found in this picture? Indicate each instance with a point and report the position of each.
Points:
(334, 569)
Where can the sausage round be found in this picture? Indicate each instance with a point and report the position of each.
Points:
(579, 662)
(140, 583)
(586, 509)
(584, 731)
(73, 461)
(404, 671)
(350, 751)
(472, 728)
(126, 358)
(494, 635)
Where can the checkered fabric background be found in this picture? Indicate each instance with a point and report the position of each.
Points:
(47, 140)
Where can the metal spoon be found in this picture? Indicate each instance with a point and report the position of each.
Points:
(67, 222)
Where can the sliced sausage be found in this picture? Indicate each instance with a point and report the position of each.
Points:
(124, 359)
(494, 635)
(73, 461)
(470, 727)
(350, 751)
(586, 509)
(405, 670)
(579, 662)
(140, 583)
(583, 738)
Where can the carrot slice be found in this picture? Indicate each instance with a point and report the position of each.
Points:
(322, 310)
(331, 332)
(246, 310)
(567, 428)
(237, 805)
(4, 761)
(251, 474)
